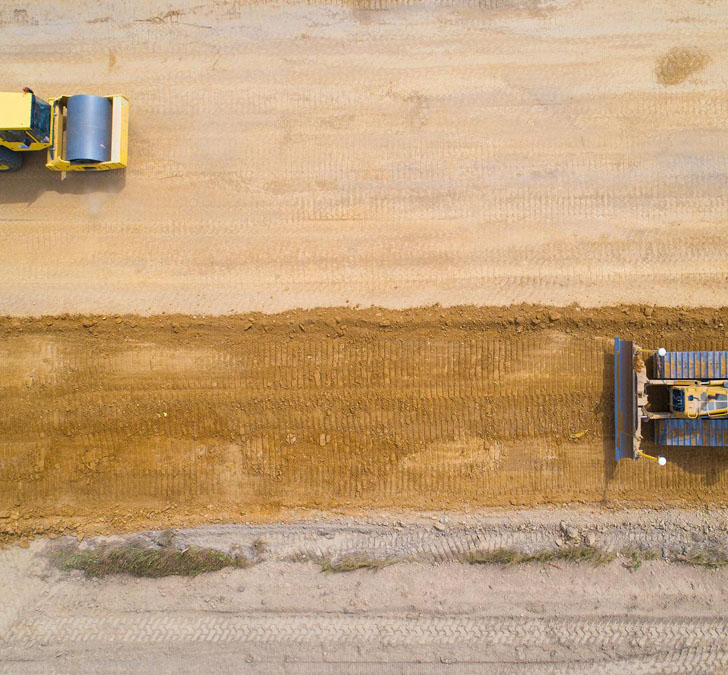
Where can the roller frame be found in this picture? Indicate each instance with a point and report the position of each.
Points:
(56, 161)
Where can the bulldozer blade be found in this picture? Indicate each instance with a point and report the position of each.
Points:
(625, 402)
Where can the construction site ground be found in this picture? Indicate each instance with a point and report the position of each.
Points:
(302, 154)
(126, 422)
(425, 612)
(367, 255)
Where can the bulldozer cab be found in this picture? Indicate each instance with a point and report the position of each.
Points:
(697, 400)
(25, 122)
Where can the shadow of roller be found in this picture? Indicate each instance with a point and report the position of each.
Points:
(26, 185)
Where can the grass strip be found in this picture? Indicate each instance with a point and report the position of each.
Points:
(145, 561)
(351, 563)
(510, 556)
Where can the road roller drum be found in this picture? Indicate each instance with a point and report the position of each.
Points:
(88, 129)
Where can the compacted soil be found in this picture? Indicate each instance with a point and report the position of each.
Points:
(299, 154)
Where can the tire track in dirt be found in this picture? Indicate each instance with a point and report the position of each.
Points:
(119, 422)
(675, 645)
(665, 636)
(403, 538)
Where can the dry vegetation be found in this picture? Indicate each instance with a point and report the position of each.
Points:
(509, 556)
(352, 563)
(706, 557)
(144, 561)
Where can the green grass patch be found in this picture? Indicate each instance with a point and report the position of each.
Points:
(352, 563)
(145, 561)
(637, 555)
(706, 557)
(509, 556)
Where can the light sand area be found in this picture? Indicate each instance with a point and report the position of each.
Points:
(280, 616)
(309, 154)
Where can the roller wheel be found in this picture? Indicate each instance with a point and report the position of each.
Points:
(9, 160)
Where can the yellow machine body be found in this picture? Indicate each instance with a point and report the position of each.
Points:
(15, 115)
(696, 399)
(16, 111)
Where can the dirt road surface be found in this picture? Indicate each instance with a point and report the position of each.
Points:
(122, 423)
(291, 155)
(281, 616)
(286, 156)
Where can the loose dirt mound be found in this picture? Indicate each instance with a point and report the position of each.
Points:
(129, 422)
(678, 64)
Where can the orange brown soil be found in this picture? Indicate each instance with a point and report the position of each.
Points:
(118, 423)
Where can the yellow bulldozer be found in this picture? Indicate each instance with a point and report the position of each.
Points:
(80, 132)
(683, 396)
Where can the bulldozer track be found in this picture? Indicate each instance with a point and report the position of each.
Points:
(663, 636)
(675, 645)
(216, 418)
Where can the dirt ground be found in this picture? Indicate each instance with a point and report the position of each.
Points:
(289, 155)
(284, 615)
(163, 362)
(119, 423)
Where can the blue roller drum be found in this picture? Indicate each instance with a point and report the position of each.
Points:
(88, 129)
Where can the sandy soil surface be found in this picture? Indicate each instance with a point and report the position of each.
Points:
(289, 155)
(121, 423)
(281, 616)
(311, 154)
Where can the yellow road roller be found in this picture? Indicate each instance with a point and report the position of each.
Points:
(81, 132)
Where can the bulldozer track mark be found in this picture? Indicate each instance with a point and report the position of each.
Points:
(331, 408)
(664, 531)
(678, 639)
